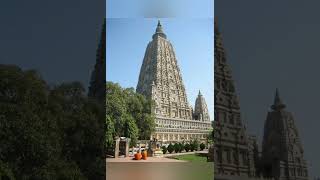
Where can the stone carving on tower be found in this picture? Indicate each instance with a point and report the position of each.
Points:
(282, 152)
(97, 88)
(236, 155)
(200, 109)
(233, 148)
(160, 79)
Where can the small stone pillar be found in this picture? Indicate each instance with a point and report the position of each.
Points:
(127, 147)
(116, 149)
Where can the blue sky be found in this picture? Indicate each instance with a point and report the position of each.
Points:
(192, 39)
(160, 8)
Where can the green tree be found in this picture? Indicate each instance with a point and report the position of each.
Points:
(5, 172)
(164, 149)
(170, 148)
(195, 144)
(187, 147)
(128, 114)
(140, 108)
(116, 107)
(210, 138)
(26, 145)
(176, 147)
(81, 126)
(202, 146)
(110, 132)
(192, 147)
(48, 133)
(146, 125)
(131, 129)
(181, 147)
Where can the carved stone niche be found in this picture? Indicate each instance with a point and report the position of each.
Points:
(122, 147)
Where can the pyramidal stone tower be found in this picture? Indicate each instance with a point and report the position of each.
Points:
(160, 79)
(97, 88)
(200, 109)
(233, 148)
(236, 155)
(282, 152)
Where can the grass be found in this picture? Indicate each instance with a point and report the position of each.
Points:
(198, 168)
(191, 158)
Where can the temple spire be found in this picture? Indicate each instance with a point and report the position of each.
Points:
(277, 104)
(159, 28)
(97, 87)
(159, 31)
(200, 109)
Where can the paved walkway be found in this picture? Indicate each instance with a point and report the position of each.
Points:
(149, 159)
(163, 158)
(154, 168)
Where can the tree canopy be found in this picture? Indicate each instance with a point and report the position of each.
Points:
(129, 114)
(48, 133)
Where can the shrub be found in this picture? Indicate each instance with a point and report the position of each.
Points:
(195, 145)
(164, 149)
(202, 146)
(192, 147)
(176, 147)
(181, 147)
(170, 148)
(187, 147)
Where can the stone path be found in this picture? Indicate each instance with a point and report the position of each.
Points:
(149, 159)
(151, 169)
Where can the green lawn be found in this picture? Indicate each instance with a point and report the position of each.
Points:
(191, 158)
(199, 168)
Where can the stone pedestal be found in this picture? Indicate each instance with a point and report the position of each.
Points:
(116, 148)
(121, 147)
(127, 146)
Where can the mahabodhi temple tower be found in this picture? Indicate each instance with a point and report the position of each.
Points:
(160, 79)
(233, 148)
(236, 154)
(97, 88)
(282, 151)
